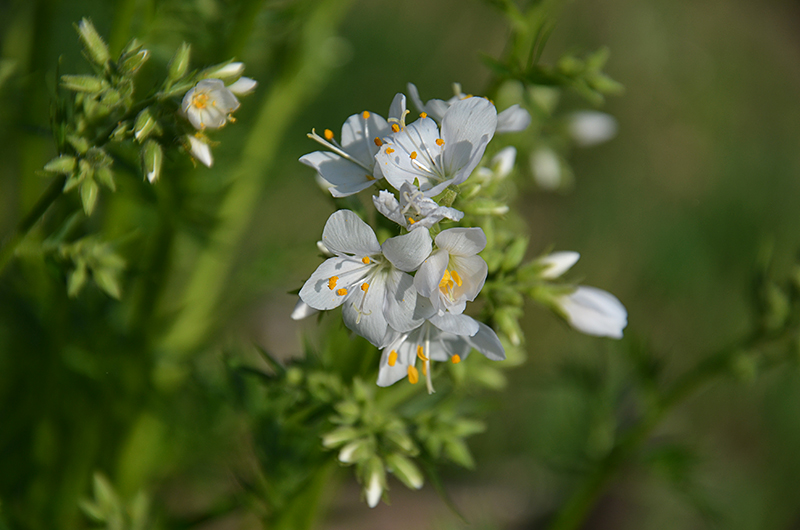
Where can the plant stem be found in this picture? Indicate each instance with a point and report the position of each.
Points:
(47, 198)
(574, 512)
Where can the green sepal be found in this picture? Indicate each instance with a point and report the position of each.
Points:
(89, 192)
(96, 48)
(83, 83)
(61, 164)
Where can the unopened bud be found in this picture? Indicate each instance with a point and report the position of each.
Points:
(82, 83)
(405, 470)
(179, 63)
(355, 451)
(132, 64)
(340, 436)
(95, 47)
(61, 164)
(152, 158)
(144, 125)
(375, 481)
(227, 72)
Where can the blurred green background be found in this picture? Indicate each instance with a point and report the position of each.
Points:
(670, 216)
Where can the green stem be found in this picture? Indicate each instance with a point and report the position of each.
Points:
(574, 512)
(47, 198)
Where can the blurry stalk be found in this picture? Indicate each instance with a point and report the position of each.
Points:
(299, 81)
(574, 511)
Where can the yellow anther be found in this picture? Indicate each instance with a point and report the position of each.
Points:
(332, 282)
(439, 142)
(423, 114)
(392, 358)
(456, 278)
(341, 292)
(421, 354)
(199, 101)
(413, 375)
(365, 260)
(328, 134)
(389, 150)
(424, 368)
(411, 220)
(413, 155)
(446, 283)
(365, 287)
(455, 359)
(378, 141)
(370, 177)
(365, 115)
(395, 127)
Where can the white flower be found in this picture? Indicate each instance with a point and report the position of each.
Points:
(413, 210)
(209, 104)
(453, 274)
(200, 150)
(420, 155)
(349, 166)
(243, 86)
(513, 119)
(546, 168)
(302, 310)
(556, 264)
(375, 486)
(430, 343)
(594, 312)
(369, 279)
(590, 127)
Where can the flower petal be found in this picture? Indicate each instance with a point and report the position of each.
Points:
(302, 310)
(461, 324)
(401, 302)
(243, 86)
(430, 273)
(346, 233)
(594, 312)
(359, 133)
(557, 263)
(408, 251)
(345, 177)
(462, 241)
(486, 342)
(473, 271)
(363, 311)
(317, 292)
(467, 127)
(513, 119)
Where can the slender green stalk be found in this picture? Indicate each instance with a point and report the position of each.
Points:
(574, 512)
(47, 198)
(285, 99)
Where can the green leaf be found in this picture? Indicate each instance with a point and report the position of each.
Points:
(457, 451)
(89, 192)
(106, 177)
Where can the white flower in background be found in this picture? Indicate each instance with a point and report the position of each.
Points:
(413, 210)
(209, 104)
(500, 166)
(546, 168)
(421, 155)
(453, 274)
(200, 150)
(243, 86)
(513, 119)
(370, 280)
(590, 127)
(349, 166)
(302, 310)
(429, 343)
(556, 264)
(593, 311)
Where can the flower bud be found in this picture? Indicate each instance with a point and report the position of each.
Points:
(227, 72)
(355, 451)
(144, 125)
(89, 193)
(405, 470)
(556, 264)
(179, 63)
(152, 158)
(96, 49)
(375, 481)
(61, 164)
(132, 64)
(340, 436)
(82, 83)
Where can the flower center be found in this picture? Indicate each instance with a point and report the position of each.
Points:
(449, 281)
(200, 101)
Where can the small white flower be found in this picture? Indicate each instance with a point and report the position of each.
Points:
(370, 280)
(349, 166)
(453, 274)
(594, 312)
(413, 210)
(513, 119)
(430, 343)
(209, 104)
(546, 168)
(374, 489)
(500, 166)
(590, 127)
(243, 86)
(200, 150)
(431, 160)
(557, 263)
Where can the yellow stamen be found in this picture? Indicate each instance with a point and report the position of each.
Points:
(446, 283)
(328, 134)
(199, 101)
(413, 375)
(455, 359)
(456, 278)
(364, 287)
(389, 150)
(365, 115)
(332, 282)
(413, 155)
(395, 127)
(411, 220)
(370, 177)
(392, 358)
(421, 354)
(365, 260)
(424, 368)
(378, 141)
(423, 115)
(341, 292)
(439, 142)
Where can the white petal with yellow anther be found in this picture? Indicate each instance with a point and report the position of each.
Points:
(413, 211)
(209, 104)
